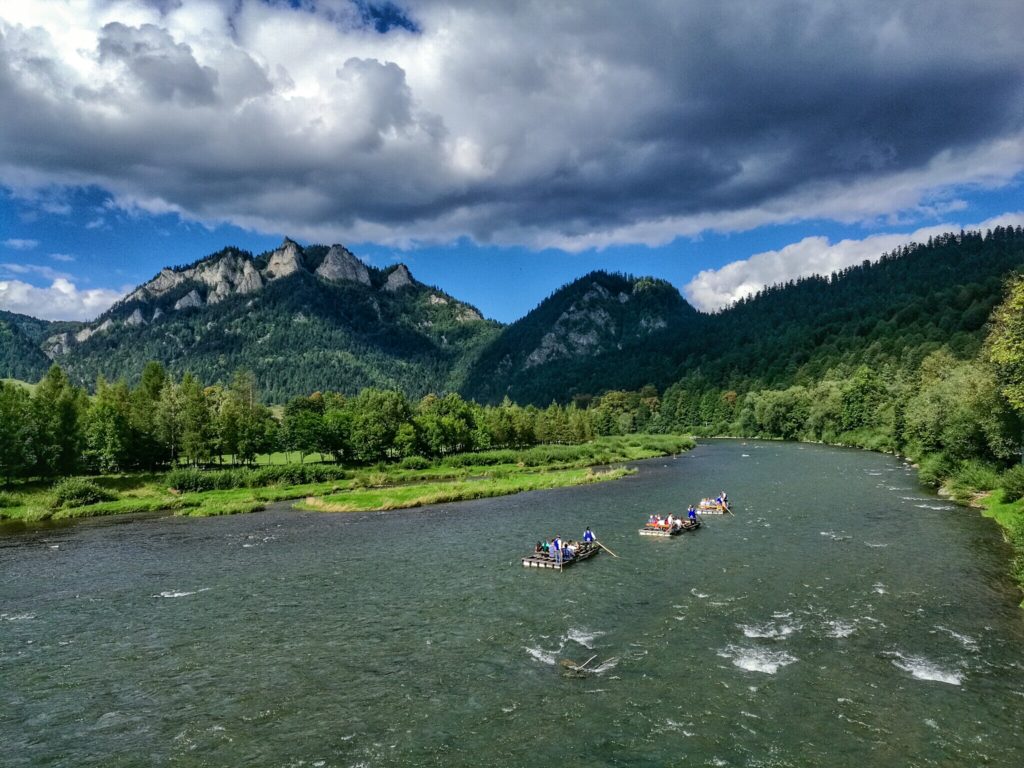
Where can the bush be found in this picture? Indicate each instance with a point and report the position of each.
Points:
(192, 480)
(935, 468)
(415, 462)
(1012, 483)
(8, 500)
(78, 492)
(189, 480)
(973, 476)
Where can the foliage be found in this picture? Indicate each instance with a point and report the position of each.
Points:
(8, 500)
(78, 492)
(1012, 483)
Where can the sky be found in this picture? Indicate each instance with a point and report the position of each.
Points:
(499, 149)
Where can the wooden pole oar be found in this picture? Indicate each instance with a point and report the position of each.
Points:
(581, 666)
(602, 546)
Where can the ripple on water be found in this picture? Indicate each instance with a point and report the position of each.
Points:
(966, 641)
(925, 669)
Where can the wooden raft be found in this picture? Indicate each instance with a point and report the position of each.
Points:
(667, 532)
(546, 561)
(715, 509)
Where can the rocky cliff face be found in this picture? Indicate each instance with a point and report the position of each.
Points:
(285, 261)
(340, 264)
(399, 278)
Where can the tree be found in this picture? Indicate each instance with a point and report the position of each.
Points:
(108, 428)
(197, 426)
(15, 431)
(57, 411)
(303, 424)
(378, 416)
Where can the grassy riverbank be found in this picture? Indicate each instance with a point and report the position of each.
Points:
(331, 487)
(1010, 517)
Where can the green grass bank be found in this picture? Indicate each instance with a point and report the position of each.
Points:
(412, 482)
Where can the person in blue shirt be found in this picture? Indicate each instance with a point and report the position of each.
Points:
(691, 513)
(555, 549)
(588, 536)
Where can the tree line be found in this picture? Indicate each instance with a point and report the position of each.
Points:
(58, 429)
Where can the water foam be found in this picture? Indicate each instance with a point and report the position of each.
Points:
(583, 637)
(966, 641)
(17, 616)
(544, 657)
(182, 594)
(923, 669)
(760, 660)
(840, 628)
(769, 630)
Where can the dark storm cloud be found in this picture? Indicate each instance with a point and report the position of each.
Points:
(536, 123)
(163, 68)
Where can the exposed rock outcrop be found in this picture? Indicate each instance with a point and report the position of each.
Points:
(340, 264)
(135, 318)
(400, 277)
(286, 260)
(189, 300)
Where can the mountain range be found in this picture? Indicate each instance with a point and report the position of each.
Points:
(316, 318)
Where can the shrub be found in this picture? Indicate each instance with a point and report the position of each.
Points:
(935, 468)
(415, 462)
(973, 476)
(189, 480)
(8, 500)
(1013, 483)
(78, 492)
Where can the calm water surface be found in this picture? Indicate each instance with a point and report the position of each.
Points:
(844, 617)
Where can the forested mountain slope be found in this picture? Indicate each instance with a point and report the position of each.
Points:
(21, 336)
(898, 309)
(301, 319)
(562, 347)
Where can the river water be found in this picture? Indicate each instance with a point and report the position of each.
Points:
(843, 617)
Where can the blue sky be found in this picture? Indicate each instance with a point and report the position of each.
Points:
(499, 150)
(97, 245)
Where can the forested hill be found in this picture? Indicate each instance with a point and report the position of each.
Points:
(554, 351)
(21, 354)
(317, 318)
(301, 319)
(898, 309)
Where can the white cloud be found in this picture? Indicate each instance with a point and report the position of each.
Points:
(546, 124)
(714, 289)
(47, 273)
(64, 258)
(62, 300)
(19, 244)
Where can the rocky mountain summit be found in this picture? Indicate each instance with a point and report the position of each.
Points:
(302, 318)
(228, 274)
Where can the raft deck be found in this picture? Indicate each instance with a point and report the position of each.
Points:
(715, 510)
(536, 560)
(666, 533)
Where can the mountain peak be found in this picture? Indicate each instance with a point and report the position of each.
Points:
(341, 264)
(400, 277)
(286, 260)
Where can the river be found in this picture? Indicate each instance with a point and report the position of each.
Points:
(844, 617)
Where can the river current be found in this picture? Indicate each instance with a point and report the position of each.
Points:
(844, 617)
